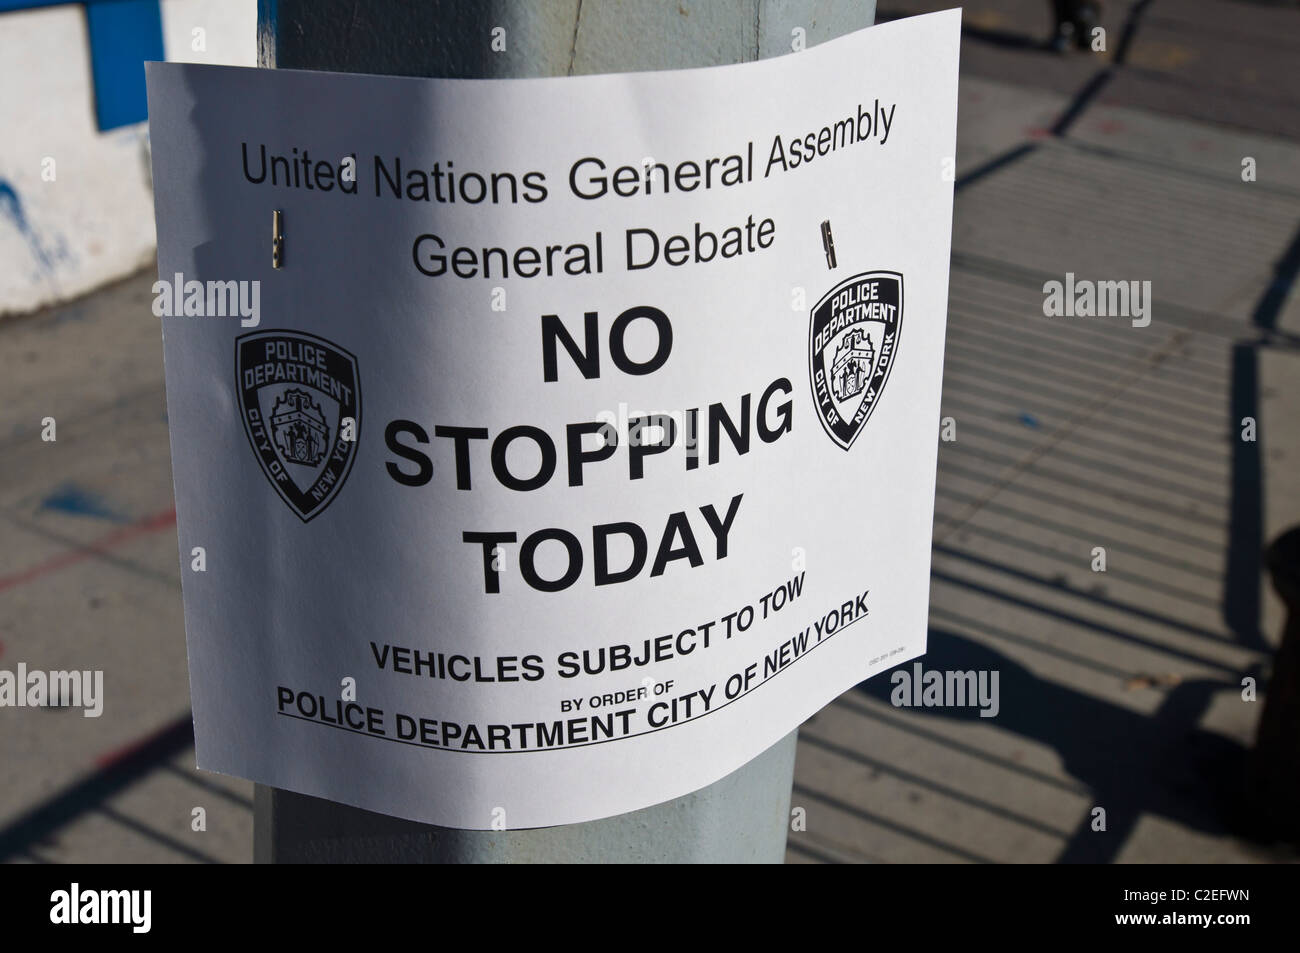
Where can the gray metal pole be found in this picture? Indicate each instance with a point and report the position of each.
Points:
(744, 817)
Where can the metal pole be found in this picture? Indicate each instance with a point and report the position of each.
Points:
(744, 817)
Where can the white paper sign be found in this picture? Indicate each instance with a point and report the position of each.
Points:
(555, 473)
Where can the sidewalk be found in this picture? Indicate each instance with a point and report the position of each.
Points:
(1119, 690)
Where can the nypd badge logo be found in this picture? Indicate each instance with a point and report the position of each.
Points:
(852, 342)
(301, 405)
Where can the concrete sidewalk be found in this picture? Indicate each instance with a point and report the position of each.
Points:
(1119, 690)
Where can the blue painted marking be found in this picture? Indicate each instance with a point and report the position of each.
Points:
(11, 208)
(123, 34)
(71, 498)
(7, 6)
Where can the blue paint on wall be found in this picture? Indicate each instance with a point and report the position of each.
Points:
(123, 34)
(8, 5)
(11, 209)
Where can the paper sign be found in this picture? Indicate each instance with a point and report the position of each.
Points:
(582, 445)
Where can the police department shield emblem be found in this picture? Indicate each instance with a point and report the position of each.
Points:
(300, 400)
(852, 343)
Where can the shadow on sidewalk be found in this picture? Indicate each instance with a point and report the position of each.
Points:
(1134, 764)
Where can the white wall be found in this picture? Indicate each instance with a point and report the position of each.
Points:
(86, 217)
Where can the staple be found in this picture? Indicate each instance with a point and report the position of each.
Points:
(277, 239)
(828, 243)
